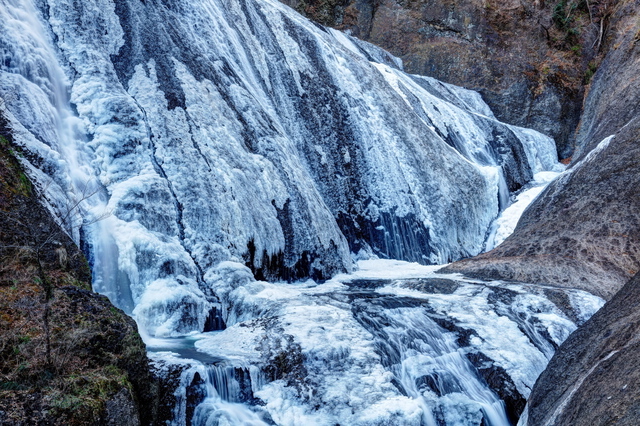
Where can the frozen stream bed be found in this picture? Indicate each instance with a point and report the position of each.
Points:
(392, 343)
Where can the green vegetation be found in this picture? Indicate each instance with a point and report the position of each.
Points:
(12, 177)
(565, 13)
(562, 14)
(85, 395)
(570, 17)
(591, 70)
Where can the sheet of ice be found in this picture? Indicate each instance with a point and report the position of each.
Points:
(590, 157)
(508, 219)
(468, 100)
(602, 145)
(389, 269)
(585, 305)
(506, 222)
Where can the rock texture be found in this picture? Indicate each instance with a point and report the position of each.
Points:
(612, 102)
(584, 231)
(67, 355)
(593, 378)
(529, 59)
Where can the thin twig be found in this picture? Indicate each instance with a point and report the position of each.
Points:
(601, 33)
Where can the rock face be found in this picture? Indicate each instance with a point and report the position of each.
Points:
(593, 378)
(612, 102)
(583, 231)
(527, 58)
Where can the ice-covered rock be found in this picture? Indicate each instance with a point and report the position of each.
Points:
(240, 131)
(217, 150)
(394, 343)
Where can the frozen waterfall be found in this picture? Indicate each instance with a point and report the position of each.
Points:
(222, 152)
(243, 132)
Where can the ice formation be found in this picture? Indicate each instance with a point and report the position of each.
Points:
(394, 343)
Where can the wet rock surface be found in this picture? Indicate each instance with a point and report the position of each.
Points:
(167, 379)
(196, 393)
(498, 379)
(593, 378)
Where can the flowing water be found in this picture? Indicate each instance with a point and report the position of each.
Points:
(224, 164)
(393, 343)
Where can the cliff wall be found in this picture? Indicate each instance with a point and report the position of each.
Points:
(593, 378)
(583, 231)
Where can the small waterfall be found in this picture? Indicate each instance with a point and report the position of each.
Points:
(504, 197)
(108, 279)
(505, 223)
(38, 68)
(429, 365)
(73, 193)
(444, 370)
(218, 392)
(223, 399)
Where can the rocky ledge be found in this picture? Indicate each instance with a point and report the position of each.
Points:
(583, 231)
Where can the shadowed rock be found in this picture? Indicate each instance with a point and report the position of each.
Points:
(593, 378)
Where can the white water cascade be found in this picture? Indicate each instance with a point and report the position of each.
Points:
(394, 343)
(223, 400)
(35, 85)
(229, 159)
